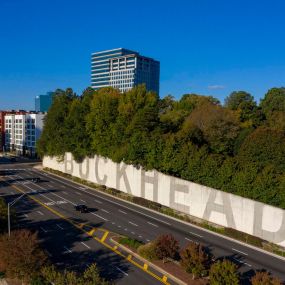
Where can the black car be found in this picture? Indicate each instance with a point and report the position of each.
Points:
(81, 207)
(36, 179)
(13, 159)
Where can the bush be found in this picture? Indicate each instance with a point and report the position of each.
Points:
(91, 276)
(132, 243)
(195, 260)
(264, 278)
(20, 255)
(148, 251)
(166, 246)
(223, 273)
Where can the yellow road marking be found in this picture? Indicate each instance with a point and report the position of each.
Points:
(104, 236)
(164, 278)
(145, 266)
(90, 233)
(129, 257)
(95, 238)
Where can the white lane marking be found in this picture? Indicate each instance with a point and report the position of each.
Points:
(119, 226)
(64, 192)
(63, 198)
(99, 216)
(59, 226)
(85, 244)
(154, 225)
(113, 223)
(62, 186)
(40, 213)
(126, 229)
(67, 250)
(48, 253)
(112, 202)
(55, 203)
(140, 236)
(147, 240)
(78, 193)
(122, 271)
(133, 224)
(26, 215)
(194, 234)
(105, 211)
(239, 251)
(189, 239)
(122, 212)
(82, 201)
(133, 233)
(97, 201)
(242, 262)
(45, 231)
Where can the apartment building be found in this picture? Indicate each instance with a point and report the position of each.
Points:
(22, 131)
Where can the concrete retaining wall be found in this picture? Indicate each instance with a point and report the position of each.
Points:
(216, 206)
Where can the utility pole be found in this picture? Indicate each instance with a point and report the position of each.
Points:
(10, 205)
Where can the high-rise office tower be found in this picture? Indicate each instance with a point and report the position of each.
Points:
(123, 69)
(43, 102)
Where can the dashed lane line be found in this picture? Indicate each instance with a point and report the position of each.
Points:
(59, 226)
(133, 224)
(194, 234)
(85, 245)
(154, 225)
(105, 211)
(99, 216)
(122, 271)
(67, 250)
(122, 212)
(239, 251)
(189, 239)
(44, 230)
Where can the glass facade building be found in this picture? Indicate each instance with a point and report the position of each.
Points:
(123, 69)
(43, 102)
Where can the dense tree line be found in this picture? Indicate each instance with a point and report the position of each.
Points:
(238, 147)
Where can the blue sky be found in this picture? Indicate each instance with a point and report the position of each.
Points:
(210, 47)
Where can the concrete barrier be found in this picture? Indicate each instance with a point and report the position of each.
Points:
(225, 209)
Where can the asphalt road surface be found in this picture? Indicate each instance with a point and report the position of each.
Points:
(71, 248)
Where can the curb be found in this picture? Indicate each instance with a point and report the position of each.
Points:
(174, 219)
(145, 261)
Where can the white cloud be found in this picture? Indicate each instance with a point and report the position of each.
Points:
(216, 87)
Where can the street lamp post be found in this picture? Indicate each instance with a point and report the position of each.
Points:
(10, 205)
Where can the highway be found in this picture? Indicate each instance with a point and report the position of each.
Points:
(69, 247)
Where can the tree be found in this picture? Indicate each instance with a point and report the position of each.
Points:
(20, 254)
(223, 273)
(240, 100)
(273, 106)
(264, 278)
(219, 126)
(274, 100)
(194, 259)
(166, 247)
(91, 276)
(53, 138)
